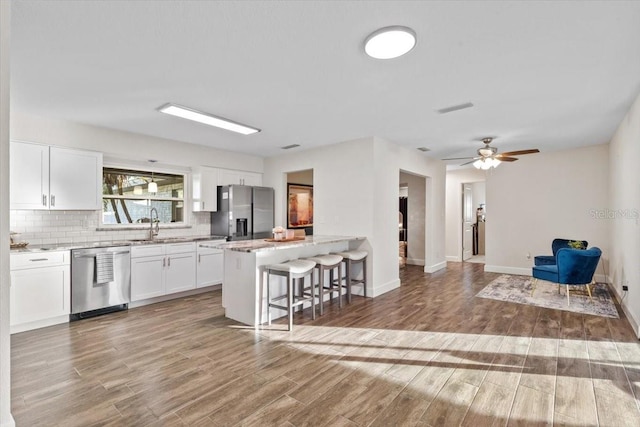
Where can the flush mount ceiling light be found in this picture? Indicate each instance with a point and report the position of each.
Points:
(390, 42)
(206, 118)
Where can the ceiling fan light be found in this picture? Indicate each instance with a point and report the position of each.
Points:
(390, 42)
(478, 164)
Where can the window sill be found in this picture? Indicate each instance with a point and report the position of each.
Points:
(140, 227)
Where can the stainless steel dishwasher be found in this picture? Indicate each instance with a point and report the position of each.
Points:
(100, 281)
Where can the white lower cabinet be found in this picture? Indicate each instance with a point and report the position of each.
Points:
(158, 270)
(210, 263)
(40, 292)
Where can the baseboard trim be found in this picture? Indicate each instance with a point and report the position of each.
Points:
(453, 258)
(632, 321)
(520, 271)
(435, 267)
(415, 261)
(9, 423)
(378, 290)
(37, 324)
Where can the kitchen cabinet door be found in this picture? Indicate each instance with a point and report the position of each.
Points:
(205, 189)
(75, 179)
(180, 272)
(29, 176)
(251, 178)
(147, 277)
(210, 266)
(235, 177)
(39, 293)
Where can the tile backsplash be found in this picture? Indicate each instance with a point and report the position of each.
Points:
(64, 227)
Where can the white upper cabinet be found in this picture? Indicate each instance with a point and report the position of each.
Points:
(29, 176)
(205, 189)
(235, 177)
(75, 179)
(44, 177)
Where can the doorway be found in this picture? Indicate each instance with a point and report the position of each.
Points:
(412, 219)
(473, 222)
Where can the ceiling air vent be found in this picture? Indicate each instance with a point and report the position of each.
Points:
(455, 108)
(288, 147)
(423, 149)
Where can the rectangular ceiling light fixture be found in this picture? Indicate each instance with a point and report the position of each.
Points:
(455, 108)
(207, 119)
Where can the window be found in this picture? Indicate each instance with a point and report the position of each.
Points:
(126, 198)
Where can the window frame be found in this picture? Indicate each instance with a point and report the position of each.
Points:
(186, 197)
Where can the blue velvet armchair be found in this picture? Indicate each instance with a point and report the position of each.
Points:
(556, 245)
(574, 267)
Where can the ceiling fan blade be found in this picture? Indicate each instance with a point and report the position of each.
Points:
(507, 159)
(469, 162)
(519, 153)
(459, 158)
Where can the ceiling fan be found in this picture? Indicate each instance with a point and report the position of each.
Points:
(488, 156)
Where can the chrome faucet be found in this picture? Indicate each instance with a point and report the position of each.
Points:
(153, 231)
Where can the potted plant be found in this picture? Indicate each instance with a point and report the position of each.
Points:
(576, 244)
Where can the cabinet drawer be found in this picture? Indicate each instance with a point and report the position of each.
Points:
(205, 247)
(146, 250)
(180, 248)
(38, 259)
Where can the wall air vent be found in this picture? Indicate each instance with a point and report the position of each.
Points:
(288, 147)
(455, 108)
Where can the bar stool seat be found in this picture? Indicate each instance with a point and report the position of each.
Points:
(297, 269)
(350, 259)
(328, 263)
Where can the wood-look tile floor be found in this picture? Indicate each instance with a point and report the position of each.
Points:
(426, 354)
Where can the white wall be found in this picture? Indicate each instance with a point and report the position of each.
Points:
(356, 193)
(6, 419)
(478, 193)
(416, 216)
(453, 226)
(541, 197)
(623, 208)
(127, 146)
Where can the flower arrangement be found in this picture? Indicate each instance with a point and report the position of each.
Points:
(278, 233)
(576, 244)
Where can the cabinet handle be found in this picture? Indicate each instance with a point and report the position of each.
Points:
(53, 200)
(44, 200)
(168, 261)
(202, 205)
(164, 262)
(39, 259)
(199, 258)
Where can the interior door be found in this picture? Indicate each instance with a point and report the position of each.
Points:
(467, 222)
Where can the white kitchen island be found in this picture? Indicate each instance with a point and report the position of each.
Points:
(243, 293)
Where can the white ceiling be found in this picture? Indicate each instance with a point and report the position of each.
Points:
(549, 75)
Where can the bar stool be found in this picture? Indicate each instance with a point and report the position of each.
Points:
(328, 263)
(292, 270)
(350, 259)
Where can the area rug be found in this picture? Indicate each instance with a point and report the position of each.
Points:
(518, 289)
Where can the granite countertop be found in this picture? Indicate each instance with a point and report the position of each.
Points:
(133, 242)
(260, 245)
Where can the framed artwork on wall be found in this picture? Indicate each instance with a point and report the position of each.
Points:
(299, 206)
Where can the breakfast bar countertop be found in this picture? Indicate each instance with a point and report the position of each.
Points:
(260, 245)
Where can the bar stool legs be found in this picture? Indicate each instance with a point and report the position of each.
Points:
(352, 258)
(328, 263)
(292, 270)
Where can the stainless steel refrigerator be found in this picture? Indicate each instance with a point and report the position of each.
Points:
(244, 212)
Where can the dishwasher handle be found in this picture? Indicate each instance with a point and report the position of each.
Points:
(81, 255)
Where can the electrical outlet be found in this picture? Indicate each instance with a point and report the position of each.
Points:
(528, 255)
(625, 288)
